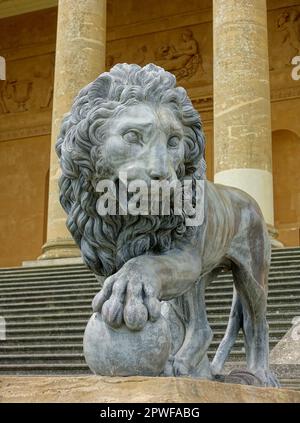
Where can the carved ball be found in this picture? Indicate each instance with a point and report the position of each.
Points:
(122, 352)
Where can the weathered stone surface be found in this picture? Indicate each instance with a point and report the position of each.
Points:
(122, 352)
(96, 389)
(148, 254)
(287, 351)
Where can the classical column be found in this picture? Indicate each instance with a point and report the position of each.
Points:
(242, 109)
(80, 58)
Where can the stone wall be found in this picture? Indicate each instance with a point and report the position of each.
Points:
(28, 44)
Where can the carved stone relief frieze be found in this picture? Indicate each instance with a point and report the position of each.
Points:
(26, 97)
(27, 93)
(183, 59)
(186, 52)
(284, 37)
(288, 23)
(30, 89)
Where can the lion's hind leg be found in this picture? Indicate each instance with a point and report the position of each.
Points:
(253, 296)
(232, 330)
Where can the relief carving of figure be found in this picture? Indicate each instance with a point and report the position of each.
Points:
(14, 96)
(183, 60)
(22, 90)
(289, 23)
(5, 94)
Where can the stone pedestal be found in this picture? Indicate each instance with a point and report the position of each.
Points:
(242, 118)
(80, 58)
(96, 389)
(287, 351)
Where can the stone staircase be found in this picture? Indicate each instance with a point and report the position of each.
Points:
(46, 310)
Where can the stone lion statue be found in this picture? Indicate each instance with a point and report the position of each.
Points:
(134, 119)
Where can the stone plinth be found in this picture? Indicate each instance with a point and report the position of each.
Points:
(287, 351)
(96, 389)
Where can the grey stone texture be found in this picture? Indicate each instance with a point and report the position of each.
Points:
(135, 120)
(287, 351)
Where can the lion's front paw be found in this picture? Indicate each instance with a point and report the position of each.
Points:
(128, 297)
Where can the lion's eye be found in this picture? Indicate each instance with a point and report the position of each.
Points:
(173, 142)
(132, 137)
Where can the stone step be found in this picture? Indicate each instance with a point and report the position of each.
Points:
(12, 325)
(272, 280)
(51, 339)
(38, 311)
(213, 289)
(64, 307)
(275, 252)
(281, 308)
(286, 261)
(50, 368)
(57, 358)
(288, 283)
(25, 274)
(271, 316)
(216, 288)
(45, 304)
(44, 317)
(61, 339)
(82, 281)
(272, 300)
(282, 260)
(237, 354)
(68, 349)
(293, 384)
(79, 330)
(49, 281)
(42, 269)
(64, 289)
(227, 286)
(86, 297)
(282, 255)
(41, 348)
(46, 324)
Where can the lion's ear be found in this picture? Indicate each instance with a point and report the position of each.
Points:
(100, 88)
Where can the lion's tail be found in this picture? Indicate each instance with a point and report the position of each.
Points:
(234, 324)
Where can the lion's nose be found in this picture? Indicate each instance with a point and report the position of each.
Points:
(158, 166)
(158, 175)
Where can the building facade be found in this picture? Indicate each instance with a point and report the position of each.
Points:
(235, 58)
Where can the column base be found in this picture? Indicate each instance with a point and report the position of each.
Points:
(53, 262)
(273, 233)
(59, 249)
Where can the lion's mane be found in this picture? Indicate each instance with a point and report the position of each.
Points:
(107, 242)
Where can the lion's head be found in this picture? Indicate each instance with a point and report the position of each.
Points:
(135, 120)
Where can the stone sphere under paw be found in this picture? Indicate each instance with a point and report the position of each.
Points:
(122, 352)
